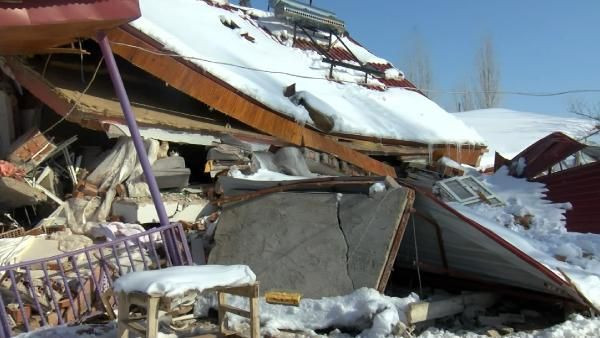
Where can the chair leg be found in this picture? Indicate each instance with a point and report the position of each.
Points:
(123, 316)
(221, 300)
(254, 318)
(152, 317)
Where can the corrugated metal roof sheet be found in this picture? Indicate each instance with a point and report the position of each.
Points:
(341, 54)
(450, 243)
(545, 153)
(579, 186)
(34, 26)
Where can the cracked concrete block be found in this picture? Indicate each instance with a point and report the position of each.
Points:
(15, 193)
(292, 241)
(369, 224)
(170, 172)
(312, 243)
(142, 211)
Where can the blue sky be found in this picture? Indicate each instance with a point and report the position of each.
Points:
(541, 45)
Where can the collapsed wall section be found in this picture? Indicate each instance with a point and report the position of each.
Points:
(318, 244)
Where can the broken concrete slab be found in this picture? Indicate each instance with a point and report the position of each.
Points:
(15, 193)
(369, 225)
(142, 210)
(171, 162)
(225, 152)
(287, 247)
(324, 244)
(230, 186)
(170, 172)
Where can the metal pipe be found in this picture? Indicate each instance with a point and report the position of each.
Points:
(5, 326)
(34, 296)
(117, 82)
(13, 282)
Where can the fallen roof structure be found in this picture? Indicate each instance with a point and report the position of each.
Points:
(571, 172)
(507, 132)
(456, 244)
(247, 89)
(385, 116)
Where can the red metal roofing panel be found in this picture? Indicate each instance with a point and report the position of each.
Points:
(545, 153)
(579, 186)
(35, 25)
(341, 54)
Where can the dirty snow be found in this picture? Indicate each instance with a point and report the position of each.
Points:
(547, 239)
(194, 29)
(376, 188)
(365, 310)
(177, 280)
(508, 132)
(575, 327)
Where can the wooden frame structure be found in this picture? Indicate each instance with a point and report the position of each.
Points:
(154, 304)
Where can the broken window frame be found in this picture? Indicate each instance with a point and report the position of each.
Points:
(486, 196)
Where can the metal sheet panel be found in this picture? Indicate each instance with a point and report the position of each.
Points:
(544, 153)
(450, 243)
(579, 186)
(36, 25)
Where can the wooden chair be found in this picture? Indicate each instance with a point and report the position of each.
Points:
(153, 304)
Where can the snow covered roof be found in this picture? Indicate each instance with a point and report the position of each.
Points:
(253, 52)
(508, 132)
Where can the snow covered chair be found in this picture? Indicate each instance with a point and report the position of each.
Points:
(164, 290)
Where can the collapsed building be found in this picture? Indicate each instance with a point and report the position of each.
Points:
(272, 140)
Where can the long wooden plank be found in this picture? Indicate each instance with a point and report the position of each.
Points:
(92, 110)
(192, 81)
(397, 240)
(424, 311)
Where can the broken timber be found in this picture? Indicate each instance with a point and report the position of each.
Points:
(424, 311)
(90, 111)
(198, 84)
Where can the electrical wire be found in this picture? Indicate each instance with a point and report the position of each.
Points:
(87, 87)
(519, 93)
(417, 256)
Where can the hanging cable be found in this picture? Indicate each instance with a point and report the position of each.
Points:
(417, 257)
(520, 93)
(64, 117)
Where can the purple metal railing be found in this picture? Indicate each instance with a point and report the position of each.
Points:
(35, 286)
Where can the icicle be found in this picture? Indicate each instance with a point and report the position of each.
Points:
(430, 153)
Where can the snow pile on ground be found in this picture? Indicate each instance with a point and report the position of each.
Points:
(537, 227)
(80, 331)
(365, 310)
(197, 29)
(577, 326)
(177, 280)
(508, 132)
